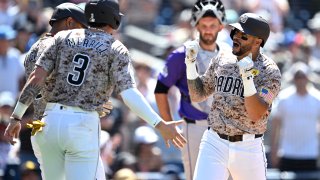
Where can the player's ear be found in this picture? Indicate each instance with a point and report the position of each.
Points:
(221, 26)
(258, 41)
(69, 22)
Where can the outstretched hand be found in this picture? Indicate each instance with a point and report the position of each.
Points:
(12, 131)
(171, 133)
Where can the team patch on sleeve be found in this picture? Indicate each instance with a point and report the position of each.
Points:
(266, 94)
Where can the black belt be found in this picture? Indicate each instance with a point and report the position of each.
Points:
(189, 120)
(236, 138)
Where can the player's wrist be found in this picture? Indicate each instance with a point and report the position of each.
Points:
(19, 110)
(15, 119)
(159, 125)
(192, 71)
(249, 88)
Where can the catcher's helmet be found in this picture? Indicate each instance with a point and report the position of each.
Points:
(65, 10)
(203, 8)
(254, 25)
(103, 11)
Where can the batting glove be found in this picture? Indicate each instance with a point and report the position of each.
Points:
(192, 49)
(36, 126)
(107, 107)
(245, 68)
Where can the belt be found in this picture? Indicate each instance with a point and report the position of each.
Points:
(189, 120)
(58, 106)
(236, 138)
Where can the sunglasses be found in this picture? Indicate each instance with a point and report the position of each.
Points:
(243, 36)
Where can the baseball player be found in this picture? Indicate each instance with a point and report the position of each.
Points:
(65, 16)
(243, 85)
(208, 18)
(84, 67)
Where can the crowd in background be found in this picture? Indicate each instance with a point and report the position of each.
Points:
(151, 29)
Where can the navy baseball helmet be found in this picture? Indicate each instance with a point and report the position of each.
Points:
(104, 11)
(66, 10)
(254, 25)
(204, 8)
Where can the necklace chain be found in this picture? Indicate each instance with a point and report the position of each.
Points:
(97, 29)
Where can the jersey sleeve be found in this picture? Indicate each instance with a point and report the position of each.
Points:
(34, 54)
(174, 69)
(271, 85)
(48, 57)
(122, 69)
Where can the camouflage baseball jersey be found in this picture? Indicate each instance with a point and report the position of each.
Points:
(29, 64)
(223, 81)
(86, 67)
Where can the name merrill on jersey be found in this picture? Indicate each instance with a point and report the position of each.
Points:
(100, 47)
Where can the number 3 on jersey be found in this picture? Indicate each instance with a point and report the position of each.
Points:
(81, 62)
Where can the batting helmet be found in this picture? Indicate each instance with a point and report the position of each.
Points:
(204, 8)
(65, 10)
(254, 25)
(103, 11)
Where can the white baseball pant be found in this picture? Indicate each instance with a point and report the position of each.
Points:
(218, 158)
(68, 146)
(193, 133)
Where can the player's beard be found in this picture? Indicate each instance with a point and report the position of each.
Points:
(208, 39)
(239, 50)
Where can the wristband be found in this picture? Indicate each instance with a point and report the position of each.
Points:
(192, 71)
(249, 88)
(19, 110)
(15, 119)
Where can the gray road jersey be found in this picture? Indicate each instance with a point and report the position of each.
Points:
(86, 67)
(222, 80)
(29, 64)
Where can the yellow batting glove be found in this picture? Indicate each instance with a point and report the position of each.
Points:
(36, 126)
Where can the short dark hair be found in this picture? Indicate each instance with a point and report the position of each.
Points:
(97, 25)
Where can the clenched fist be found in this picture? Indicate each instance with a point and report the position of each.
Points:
(245, 66)
(192, 49)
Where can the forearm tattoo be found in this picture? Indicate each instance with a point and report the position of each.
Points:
(29, 93)
(196, 88)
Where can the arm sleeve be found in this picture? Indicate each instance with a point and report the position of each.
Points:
(137, 103)
(270, 89)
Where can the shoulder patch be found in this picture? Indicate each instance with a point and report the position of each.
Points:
(267, 95)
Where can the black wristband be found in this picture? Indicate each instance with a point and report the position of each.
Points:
(15, 119)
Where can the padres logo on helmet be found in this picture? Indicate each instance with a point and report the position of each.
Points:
(254, 25)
